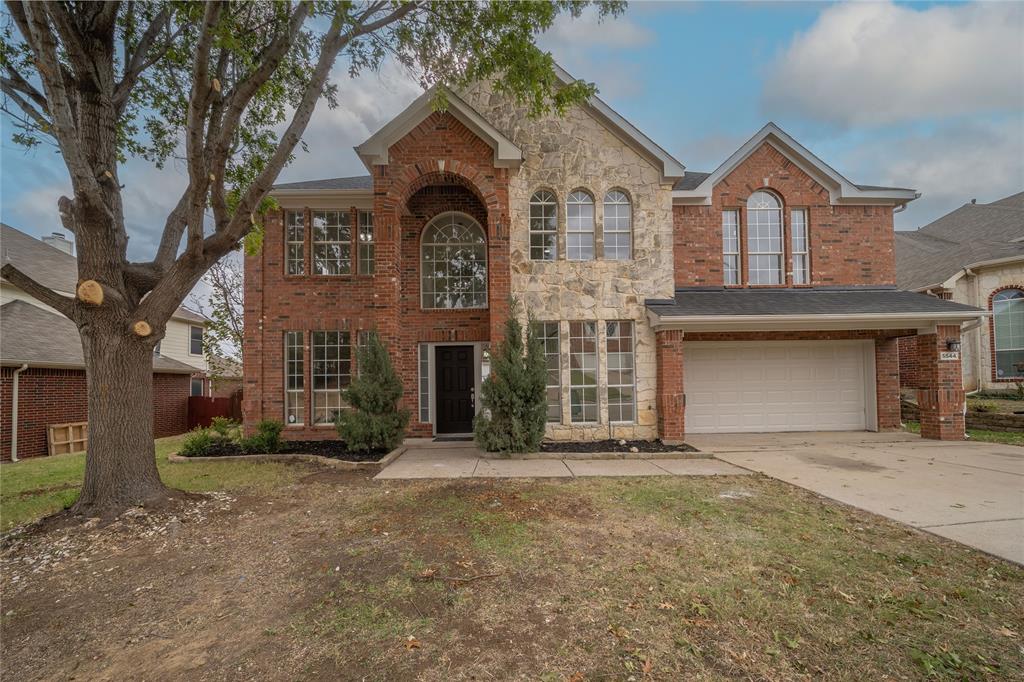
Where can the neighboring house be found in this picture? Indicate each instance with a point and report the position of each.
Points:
(758, 297)
(975, 256)
(41, 352)
(225, 376)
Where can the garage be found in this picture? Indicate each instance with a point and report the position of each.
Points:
(752, 386)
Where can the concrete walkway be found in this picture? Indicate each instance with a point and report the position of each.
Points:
(427, 459)
(969, 492)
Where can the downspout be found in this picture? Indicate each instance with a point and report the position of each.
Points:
(977, 354)
(14, 412)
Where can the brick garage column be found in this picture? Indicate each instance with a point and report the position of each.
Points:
(887, 383)
(940, 394)
(671, 401)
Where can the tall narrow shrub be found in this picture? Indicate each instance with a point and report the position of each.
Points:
(374, 421)
(514, 396)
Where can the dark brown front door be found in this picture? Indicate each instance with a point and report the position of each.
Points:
(454, 372)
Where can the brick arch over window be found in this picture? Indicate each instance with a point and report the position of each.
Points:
(992, 333)
(417, 177)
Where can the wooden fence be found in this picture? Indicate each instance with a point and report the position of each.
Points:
(202, 410)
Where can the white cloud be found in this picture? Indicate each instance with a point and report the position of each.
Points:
(949, 166)
(591, 32)
(879, 63)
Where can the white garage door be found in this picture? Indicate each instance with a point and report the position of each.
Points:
(778, 386)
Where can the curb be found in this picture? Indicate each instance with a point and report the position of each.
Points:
(571, 456)
(316, 459)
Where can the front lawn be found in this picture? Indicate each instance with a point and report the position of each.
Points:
(981, 435)
(329, 575)
(37, 487)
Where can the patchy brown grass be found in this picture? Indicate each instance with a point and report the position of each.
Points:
(330, 576)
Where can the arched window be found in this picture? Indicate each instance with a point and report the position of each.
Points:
(618, 226)
(579, 226)
(764, 238)
(543, 226)
(453, 261)
(1008, 316)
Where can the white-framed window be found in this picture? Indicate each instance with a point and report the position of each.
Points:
(543, 226)
(579, 226)
(424, 379)
(367, 245)
(362, 341)
(621, 371)
(195, 387)
(332, 243)
(547, 333)
(195, 340)
(583, 407)
(1008, 325)
(294, 378)
(731, 246)
(295, 243)
(798, 245)
(453, 261)
(764, 239)
(618, 226)
(331, 373)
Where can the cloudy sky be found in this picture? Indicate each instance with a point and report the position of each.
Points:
(929, 96)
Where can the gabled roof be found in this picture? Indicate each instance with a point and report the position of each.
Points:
(374, 152)
(29, 334)
(970, 236)
(51, 267)
(628, 133)
(840, 189)
(711, 309)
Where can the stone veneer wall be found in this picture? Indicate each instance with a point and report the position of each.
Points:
(563, 154)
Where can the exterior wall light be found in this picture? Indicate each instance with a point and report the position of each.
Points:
(953, 345)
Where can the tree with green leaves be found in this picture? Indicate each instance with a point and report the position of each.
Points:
(514, 395)
(373, 421)
(222, 306)
(226, 89)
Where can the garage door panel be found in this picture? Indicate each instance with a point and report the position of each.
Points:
(796, 386)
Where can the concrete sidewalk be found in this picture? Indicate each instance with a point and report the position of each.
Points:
(966, 491)
(427, 459)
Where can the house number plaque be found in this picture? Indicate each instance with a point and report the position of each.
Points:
(949, 355)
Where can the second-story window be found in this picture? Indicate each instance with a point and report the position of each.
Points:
(764, 239)
(367, 247)
(618, 226)
(543, 226)
(332, 243)
(195, 340)
(295, 243)
(731, 247)
(579, 220)
(798, 235)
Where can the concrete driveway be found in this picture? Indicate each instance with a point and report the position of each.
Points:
(969, 492)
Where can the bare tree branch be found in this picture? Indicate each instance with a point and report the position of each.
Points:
(18, 82)
(140, 58)
(37, 116)
(83, 177)
(33, 288)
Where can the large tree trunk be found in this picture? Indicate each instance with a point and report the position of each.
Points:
(120, 465)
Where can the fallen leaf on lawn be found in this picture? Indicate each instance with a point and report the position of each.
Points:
(647, 667)
(620, 632)
(575, 677)
(427, 573)
(1006, 632)
(666, 606)
(412, 643)
(846, 597)
(464, 564)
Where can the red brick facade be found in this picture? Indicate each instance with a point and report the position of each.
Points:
(849, 245)
(441, 166)
(58, 396)
(940, 393)
(437, 167)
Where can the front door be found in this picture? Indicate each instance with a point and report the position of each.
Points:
(455, 389)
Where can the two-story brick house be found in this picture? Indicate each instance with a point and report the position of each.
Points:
(758, 297)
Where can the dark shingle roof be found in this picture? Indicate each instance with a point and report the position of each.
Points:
(691, 180)
(33, 335)
(738, 302)
(973, 233)
(355, 182)
(52, 267)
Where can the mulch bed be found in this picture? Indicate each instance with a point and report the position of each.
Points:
(332, 449)
(612, 445)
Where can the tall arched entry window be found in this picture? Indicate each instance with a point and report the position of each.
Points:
(1008, 326)
(764, 239)
(453, 263)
